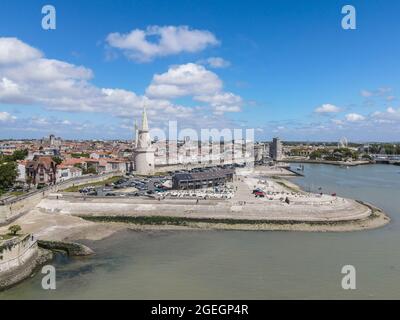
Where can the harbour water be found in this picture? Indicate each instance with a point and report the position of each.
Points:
(244, 265)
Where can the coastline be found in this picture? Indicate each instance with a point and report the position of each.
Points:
(72, 219)
(64, 224)
(334, 163)
(95, 219)
(379, 219)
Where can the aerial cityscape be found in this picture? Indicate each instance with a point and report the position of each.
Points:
(170, 156)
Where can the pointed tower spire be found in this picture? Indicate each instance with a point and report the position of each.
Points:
(145, 125)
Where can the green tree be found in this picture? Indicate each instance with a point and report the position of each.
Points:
(57, 160)
(8, 175)
(20, 154)
(90, 170)
(80, 155)
(14, 229)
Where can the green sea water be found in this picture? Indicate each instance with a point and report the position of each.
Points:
(244, 265)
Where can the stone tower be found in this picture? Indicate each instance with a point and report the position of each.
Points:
(136, 134)
(144, 153)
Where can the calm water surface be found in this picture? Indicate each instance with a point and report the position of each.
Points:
(235, 264)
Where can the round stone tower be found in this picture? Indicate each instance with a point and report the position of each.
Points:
(143, 152)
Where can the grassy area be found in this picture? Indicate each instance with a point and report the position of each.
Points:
(17, 193)
(6, 236)
(99, 183)
(190, 222)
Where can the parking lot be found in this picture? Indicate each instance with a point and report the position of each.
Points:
(130, 187)
(135, 186)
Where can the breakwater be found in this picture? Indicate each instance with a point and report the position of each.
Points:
(71, 248)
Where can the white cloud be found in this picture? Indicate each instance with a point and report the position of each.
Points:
(136, 45)
(222, 102)
(6, 117)
(327, 108)
(61, 86)
(376, 93)
(14, 51)
(48, 70)
(58, 85)
(354, 117)
(9, 90)
(184, 80)
(366, 93)
(215, 62)
(390, 115)
(221, 109)
(196, 81)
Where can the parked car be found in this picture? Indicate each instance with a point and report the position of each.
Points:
(260, 194)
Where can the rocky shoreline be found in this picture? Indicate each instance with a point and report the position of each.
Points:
(70, 248)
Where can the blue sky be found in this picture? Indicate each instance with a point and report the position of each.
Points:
(285, 68)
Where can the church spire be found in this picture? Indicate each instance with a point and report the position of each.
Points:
(145, 125)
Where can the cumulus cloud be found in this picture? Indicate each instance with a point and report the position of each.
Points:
(9, 90)
(327, 108)
(184, 80)
(6, 117)
(137, 45)
(33, 79)
(222, 102)
(196, 81)
(390, 115)
(12, 50)
(354, 117)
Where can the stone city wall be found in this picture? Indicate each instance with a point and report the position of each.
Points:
(16, 252)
